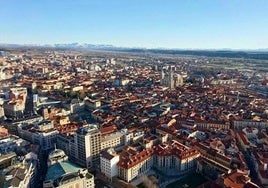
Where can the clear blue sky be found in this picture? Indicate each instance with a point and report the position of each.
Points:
(137, 23)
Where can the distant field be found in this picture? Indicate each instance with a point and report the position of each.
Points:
(261, 55)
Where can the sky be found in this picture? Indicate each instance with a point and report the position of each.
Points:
(183, 24)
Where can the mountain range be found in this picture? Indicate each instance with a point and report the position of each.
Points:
(229, 53)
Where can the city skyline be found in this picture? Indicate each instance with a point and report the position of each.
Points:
(151, 24)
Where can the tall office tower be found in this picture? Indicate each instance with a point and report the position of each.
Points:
(85, 146)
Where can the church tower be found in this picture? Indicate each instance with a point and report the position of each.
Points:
(170, 78)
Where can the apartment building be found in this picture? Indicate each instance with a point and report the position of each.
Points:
(108, 163)
(241, 124)
(42, 133)
(168, 157)
(112, 140)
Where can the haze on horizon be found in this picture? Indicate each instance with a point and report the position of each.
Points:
(196, 24)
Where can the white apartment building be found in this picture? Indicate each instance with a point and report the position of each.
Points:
(108, 163)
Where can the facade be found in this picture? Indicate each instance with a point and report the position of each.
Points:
(92, 104)
(18, 93)
(129, 167)
(256, 124)
(63, 143)
(214, 163)
(223, 82)
(76, 106)
(31, 120)
(175, 155)
(112, 140)
(212, 125)
(108, 163)
(168, 157)
(43, 134)
(85, 145)
(15, 104)
(131, 136)
(210, 168)
(14, 108)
